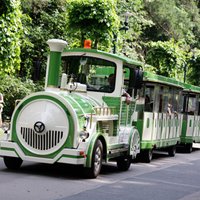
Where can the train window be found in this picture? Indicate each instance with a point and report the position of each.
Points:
(198, 102)
(168, 99)
(180, 101)
(98, 74)
(161, 99)
(184, 103)
(149, 98)
(192, 104)
(175, 101)
(164, 100)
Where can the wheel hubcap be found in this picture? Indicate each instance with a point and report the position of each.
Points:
(97, 160)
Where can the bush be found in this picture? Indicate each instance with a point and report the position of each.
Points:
(12, 89)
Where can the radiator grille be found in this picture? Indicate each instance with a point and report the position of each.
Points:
(44, 141)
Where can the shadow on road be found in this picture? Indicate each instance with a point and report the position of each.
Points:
(61, 171)
(73, 172)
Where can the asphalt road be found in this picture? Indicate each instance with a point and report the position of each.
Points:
(165, 178)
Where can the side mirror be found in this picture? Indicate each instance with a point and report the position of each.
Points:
(138, 79)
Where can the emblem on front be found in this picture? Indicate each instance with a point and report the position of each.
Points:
(39, 127)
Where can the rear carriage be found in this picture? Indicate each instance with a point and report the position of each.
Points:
(191, 117)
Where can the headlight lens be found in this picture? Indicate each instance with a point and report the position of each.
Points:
(83, 135)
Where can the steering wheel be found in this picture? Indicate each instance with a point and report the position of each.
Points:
(105, 88)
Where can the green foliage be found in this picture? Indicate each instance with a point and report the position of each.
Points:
(167, 58)
(42, 20)
(173, 19)
(193, 63)
(23, 34)
(94, 19)
(129, 41)
(14, 88)
(10, 33)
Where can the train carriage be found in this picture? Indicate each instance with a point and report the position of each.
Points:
(191, 117)
(158, 115)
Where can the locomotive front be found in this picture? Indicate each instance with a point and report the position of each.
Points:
(48, 127)
(82, 118)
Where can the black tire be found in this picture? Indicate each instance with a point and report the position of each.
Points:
(147, 155)
(123, 163)
(12, 162)
(188, 148)
(172, 151)
(97, 156)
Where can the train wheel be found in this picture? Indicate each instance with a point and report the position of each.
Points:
(188, 148)
(123, 163)
(97, 157)
(12, 162)
(147, 155)
(172, 151)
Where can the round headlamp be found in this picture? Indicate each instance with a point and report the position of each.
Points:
(83, 135)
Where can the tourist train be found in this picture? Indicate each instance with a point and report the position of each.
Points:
(99, 107)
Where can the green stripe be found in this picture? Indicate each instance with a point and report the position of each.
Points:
(54, 66)
(159, 144)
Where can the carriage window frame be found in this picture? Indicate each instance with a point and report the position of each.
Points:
(149, 97)
(164, 96)
(198, 104)
(189, 107)
(192, 104)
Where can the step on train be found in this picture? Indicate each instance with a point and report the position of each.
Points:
(99, 107)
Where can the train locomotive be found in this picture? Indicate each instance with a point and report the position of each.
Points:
(79, 119)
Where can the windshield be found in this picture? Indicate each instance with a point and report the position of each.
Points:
(98, 74)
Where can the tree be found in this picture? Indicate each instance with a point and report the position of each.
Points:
(129, 38)
(93, 19)
(167, 58)
(192, 66)
(42, 20)
(10, 33)
(14, 88)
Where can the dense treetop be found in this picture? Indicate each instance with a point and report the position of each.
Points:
(161, 33)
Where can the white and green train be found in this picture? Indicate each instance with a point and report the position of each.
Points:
(98, 107)
(191, 117)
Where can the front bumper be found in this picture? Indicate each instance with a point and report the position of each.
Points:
(68, 156)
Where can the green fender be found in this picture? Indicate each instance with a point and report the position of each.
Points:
(93, 140)
(134, 142)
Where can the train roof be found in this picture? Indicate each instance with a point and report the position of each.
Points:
(111, 55)
(150, 77)
(191, 88)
